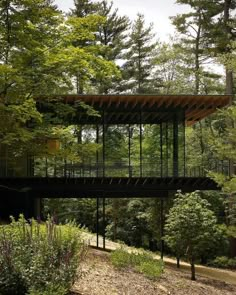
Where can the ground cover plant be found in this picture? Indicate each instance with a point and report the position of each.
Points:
(142, 262)
(38, 258)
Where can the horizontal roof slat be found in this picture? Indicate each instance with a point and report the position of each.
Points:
(195, 106)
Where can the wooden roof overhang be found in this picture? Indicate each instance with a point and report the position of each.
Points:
(122, 108)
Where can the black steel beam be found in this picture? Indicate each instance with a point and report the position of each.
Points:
(97, 186)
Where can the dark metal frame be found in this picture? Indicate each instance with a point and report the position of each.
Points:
(148, 110)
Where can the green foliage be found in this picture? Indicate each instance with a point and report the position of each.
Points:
(81, 210)
(223, 262)
(120, 258)
(139, 58)
(44, 61)
(38, 258)
(223, 142)
(150, 269)
(191, 227)
(171, 69)
(231, 231)
(52, 289)
(142, 262)
(195, 29)
(133, 227)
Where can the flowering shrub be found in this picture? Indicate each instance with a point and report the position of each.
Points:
(38, 258)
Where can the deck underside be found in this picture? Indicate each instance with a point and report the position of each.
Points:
(109, 187)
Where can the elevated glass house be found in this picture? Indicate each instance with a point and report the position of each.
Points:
(133, 160)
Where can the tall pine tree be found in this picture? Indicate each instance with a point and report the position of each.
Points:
(138, 67)
(113, 35)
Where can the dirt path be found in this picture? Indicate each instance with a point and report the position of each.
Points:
(99, 277)
(213, 273)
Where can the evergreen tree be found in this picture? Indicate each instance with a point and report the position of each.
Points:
(108, 36)
(113, 35)
(221, 33)
(138, 68)
(216, 24)
(194, 43)
(84, 8)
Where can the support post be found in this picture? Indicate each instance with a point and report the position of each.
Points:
(162, 228)
(184, 147)
(161, 148)
(129, 151)
(175, 147)
(103, 146)
(167, 149)
(97, 156)
(103, 222)
(97, 222)
(37, 208)
(141, 145)
(30, 166)
(46, 166)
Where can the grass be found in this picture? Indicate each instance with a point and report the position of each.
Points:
(142, 262)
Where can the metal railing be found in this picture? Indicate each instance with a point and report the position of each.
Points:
(44, 167)
(124, 169)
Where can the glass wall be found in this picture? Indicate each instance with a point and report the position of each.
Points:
(154, 147)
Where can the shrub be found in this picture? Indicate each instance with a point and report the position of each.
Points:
(120, 258)
(223, 262)
(151, 269)
(142, 262)
(38, 257)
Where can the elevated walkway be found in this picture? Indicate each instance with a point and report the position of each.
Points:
(103, 187)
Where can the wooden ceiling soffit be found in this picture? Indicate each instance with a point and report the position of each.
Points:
(190, 120)
(152, 102)
(196, 106)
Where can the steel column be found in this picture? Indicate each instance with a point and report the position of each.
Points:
(97, 222)
(175, 147)
(167, 150)
(161, 148)
(103, 146)
(129, 151)
(46, 166)
(97, 156)
(104, 222)
(162, 227)
(184, 143)
(141, 145)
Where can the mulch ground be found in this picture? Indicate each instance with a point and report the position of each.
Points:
(97, 276)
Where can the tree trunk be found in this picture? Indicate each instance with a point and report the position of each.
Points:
(229, 82)
(228, 34)
(193, 277)
(139, 70)
(232, 243)
(197, 63)
(178, 261)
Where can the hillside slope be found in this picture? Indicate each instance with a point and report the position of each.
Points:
(99, 277)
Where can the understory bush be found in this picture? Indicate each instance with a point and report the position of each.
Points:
(38, 258)
(142, 262)
(223, 262)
